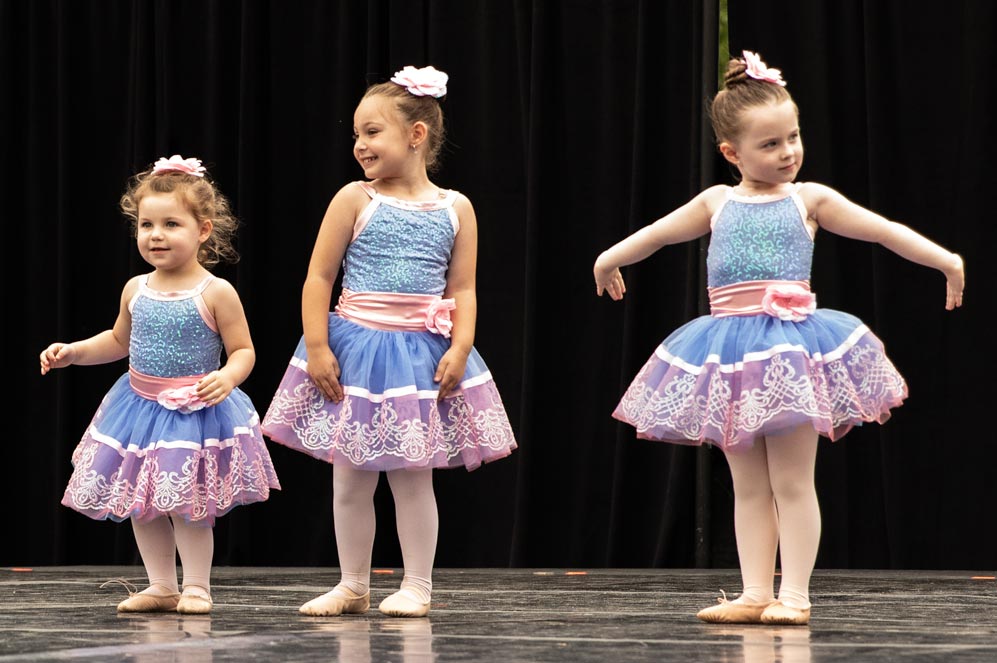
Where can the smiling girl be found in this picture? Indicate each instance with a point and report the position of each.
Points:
(175, 442)
(390, 381)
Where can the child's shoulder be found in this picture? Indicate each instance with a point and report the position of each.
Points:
(813, 193)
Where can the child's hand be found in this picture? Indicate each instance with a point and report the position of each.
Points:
(450, 371)
(955, 282)
(214, 387)
(610, 281)
(324, 371)
(57, 355)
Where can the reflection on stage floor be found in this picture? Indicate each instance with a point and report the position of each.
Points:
(504, 615)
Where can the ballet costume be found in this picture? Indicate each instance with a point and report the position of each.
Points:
(389, 330)
(153, 449)
(766, 359)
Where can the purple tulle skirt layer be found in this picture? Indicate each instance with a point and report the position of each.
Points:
(390, 418)
(728, 381)
(140, 460)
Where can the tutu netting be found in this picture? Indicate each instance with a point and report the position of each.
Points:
(140, 460)
(726, 381)
(390, 418)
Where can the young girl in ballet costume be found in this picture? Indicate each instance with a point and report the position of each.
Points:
(391, 381)
(175, 442)
(766, 372)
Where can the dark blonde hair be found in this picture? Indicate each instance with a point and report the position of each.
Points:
(416, 109)
(740, 93)
(202, 199)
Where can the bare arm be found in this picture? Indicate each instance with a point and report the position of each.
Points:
(461, 287)
(833, 212)
(316, 296)
(105, 347)
(224, 302)
(688, 222)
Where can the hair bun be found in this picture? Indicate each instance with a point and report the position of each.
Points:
(736, 72)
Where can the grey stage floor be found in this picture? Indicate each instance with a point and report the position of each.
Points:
(507, 615)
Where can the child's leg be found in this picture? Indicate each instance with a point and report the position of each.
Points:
(756, 523)
(418, 524)
(353, 514)
(197, 547)
(158, 548)
(791, 460)
(159, 555)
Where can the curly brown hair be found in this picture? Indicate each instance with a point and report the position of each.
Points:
(416, 109)
(740, 92)
(202, 199)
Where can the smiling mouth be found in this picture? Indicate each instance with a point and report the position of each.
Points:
(368, 160)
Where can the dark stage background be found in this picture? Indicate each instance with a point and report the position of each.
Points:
(571, 124)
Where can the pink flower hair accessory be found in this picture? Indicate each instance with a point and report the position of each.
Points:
(789, 302)
(760, 71)
(424, 82)
(177, 163)
(182, 399)
(438, 316)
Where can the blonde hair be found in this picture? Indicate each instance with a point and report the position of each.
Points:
(201, 197)
(416, 109)
(740, 93)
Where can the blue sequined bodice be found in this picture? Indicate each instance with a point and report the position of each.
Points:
(169, 336)
(758, 241)
(403, 247)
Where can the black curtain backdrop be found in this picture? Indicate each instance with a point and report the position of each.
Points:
(571, 124)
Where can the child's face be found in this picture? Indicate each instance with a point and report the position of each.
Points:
(381, 142)
(769, 149)
(168, 234)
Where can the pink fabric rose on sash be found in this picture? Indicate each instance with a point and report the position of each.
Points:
(438, 316)
(789, 302)
(182, 399)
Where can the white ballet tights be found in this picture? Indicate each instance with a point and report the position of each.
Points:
(353, 516)
(158, 549)
(196, 546)
(417, 521)
(775, 508)
(158, 542)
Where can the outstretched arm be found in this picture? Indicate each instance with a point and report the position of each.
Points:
(105, 347)
(688, 222)
(835, 213)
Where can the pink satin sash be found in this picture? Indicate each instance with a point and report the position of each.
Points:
(394, 311)
(150, 386)
(745, 298)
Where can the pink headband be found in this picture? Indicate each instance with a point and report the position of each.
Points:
(177, 163)
(425, 82)
(759, 71)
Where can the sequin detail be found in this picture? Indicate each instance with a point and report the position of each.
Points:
(400, 250)
(759, 241)
(157, 326)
